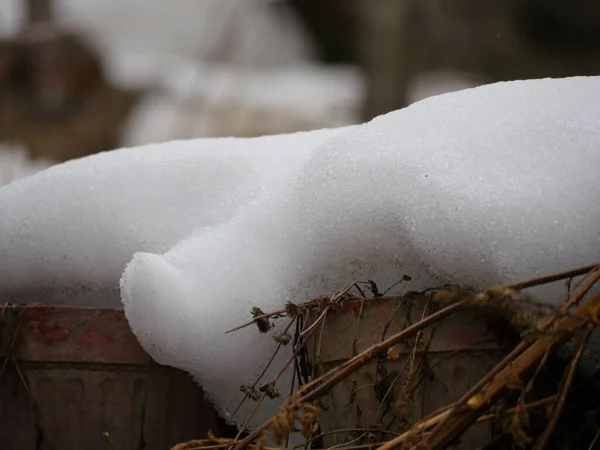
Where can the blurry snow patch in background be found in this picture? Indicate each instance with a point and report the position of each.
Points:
(138, 35)
(11, 17)
(437, 83)
(209, 100)
(212, 68)
(15, 163)
(216, 68)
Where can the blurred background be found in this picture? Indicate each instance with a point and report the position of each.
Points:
(79, 77)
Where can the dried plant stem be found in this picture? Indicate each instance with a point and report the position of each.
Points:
(263, 396)
(335, 376)
(470, 407)
(278, 313)
(554, 277)
(576, 298)
(210, 444)
(262, 374)
(564, 390)
(463, 414)
(251, 415)
(316, 323)
(538, 403)
(428, 423)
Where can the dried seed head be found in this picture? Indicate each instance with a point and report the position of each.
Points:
(393, 353)
(309, 423)
(282, 338)
(270, 390)
(262, 323)
(292, 309)
(249, 391)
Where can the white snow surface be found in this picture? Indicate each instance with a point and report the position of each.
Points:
(488, 185)
(68, 232)
(477, 187)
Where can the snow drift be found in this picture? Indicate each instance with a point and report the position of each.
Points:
(68, 232)
(477, 187)
(485, 186)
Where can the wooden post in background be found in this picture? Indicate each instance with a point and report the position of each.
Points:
(38, 11)
(385, 53)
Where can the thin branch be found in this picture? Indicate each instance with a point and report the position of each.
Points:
(490, 386)
(522, 346)
(354, 364)
(426, 424)
(364, 357)
(554, 277)
(279, 312)
(462, 415)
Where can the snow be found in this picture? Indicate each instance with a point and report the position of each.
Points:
(483, 186)
(68, 232)
(11, 17)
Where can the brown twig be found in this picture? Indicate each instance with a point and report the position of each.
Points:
(279, 345)
(278, 313)
(209, 444)
(309, 331)
(464, 413)
(428, 423)
(520, 348)
(471, 402)
(554, 277)
(335, 376)
(363, 358)
(262, 398)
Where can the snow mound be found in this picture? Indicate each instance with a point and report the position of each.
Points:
(482, 186)
(68, 232)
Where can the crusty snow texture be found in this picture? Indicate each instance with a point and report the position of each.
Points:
(485, 186)
(68, 232)
(482, 186)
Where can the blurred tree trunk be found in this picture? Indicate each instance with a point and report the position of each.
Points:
(333, 26)
(384, 54)
(38, 11)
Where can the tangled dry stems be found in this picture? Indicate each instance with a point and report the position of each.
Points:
(544, 330)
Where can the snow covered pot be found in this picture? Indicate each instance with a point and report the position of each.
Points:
(410, 380)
